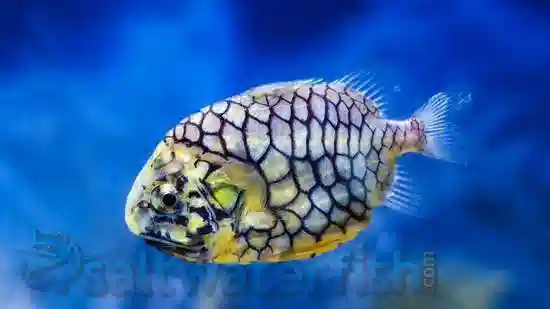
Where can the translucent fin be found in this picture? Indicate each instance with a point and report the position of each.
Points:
(443, 140)
(365, 83)
(403, 196)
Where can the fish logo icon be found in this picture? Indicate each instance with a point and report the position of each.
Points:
(54, 262)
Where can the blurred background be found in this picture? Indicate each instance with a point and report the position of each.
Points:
(87, 89)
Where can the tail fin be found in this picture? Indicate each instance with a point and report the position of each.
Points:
(434, 134)
(443, 140)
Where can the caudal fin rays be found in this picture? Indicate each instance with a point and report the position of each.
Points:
(443, 137)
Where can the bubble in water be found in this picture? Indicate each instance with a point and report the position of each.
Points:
(464, 99)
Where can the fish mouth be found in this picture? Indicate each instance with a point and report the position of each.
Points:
(192, 250)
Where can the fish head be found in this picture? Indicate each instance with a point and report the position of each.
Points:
(178, 203)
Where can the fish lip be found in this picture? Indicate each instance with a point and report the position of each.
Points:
(195, 253)
(158, 240)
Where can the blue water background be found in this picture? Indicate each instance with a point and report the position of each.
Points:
(87, 89)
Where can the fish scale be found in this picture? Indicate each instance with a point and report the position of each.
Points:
(284, 171)
(274, 156)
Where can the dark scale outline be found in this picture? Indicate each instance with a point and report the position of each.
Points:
(285, 231)
(222, 145)
(340, 225)
(358, 154)
(238, 103)
(334, 107)
(325, 129)
(316, 236)
(325, 213)
(295, 177)
(262, 233)
(199, 143)
(347, 94)
(260, 172)
(335, 142)
(224, 111)
(309, 200)
(256, 97)
(353, 129)
(369, 192)
(333, 204)
(246, 154)
(201, 121)
(314, 116)
(189, 123)
(206, 109)
(371, 103)
(370, 140)
(212, 167)
(310, 194)
(294, 141)
(318, 174)
(325, 122)
(280, 101)
(291, 144)
(300, 228)
(311, 140)
(225, 115)
(293, 113)
(378, 177)
(360, 114)
(338, 136)
(364, 209)
(269, 97)
(384, 154)
(213, 115)
(263, 106)
(173, 131)
(383, 159)
(272, 234)
(377, 150)
(320, 96)
(341, 118)
(387, 128)
(342, 171)
(402, 144)
(358, 139)
(349, 134)
(346, 187)
(245, 136)
(284, 178)
(257, 119)
(309, 116)
(362, 184)
(394, 138)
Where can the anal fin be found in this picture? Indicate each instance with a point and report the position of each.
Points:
(403, 195)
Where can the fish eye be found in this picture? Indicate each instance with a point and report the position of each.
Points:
(165, 197)
(169, 200)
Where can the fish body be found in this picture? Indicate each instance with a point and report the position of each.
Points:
(281, 172)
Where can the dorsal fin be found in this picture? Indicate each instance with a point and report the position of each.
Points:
(364, 83)
(361, 83)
